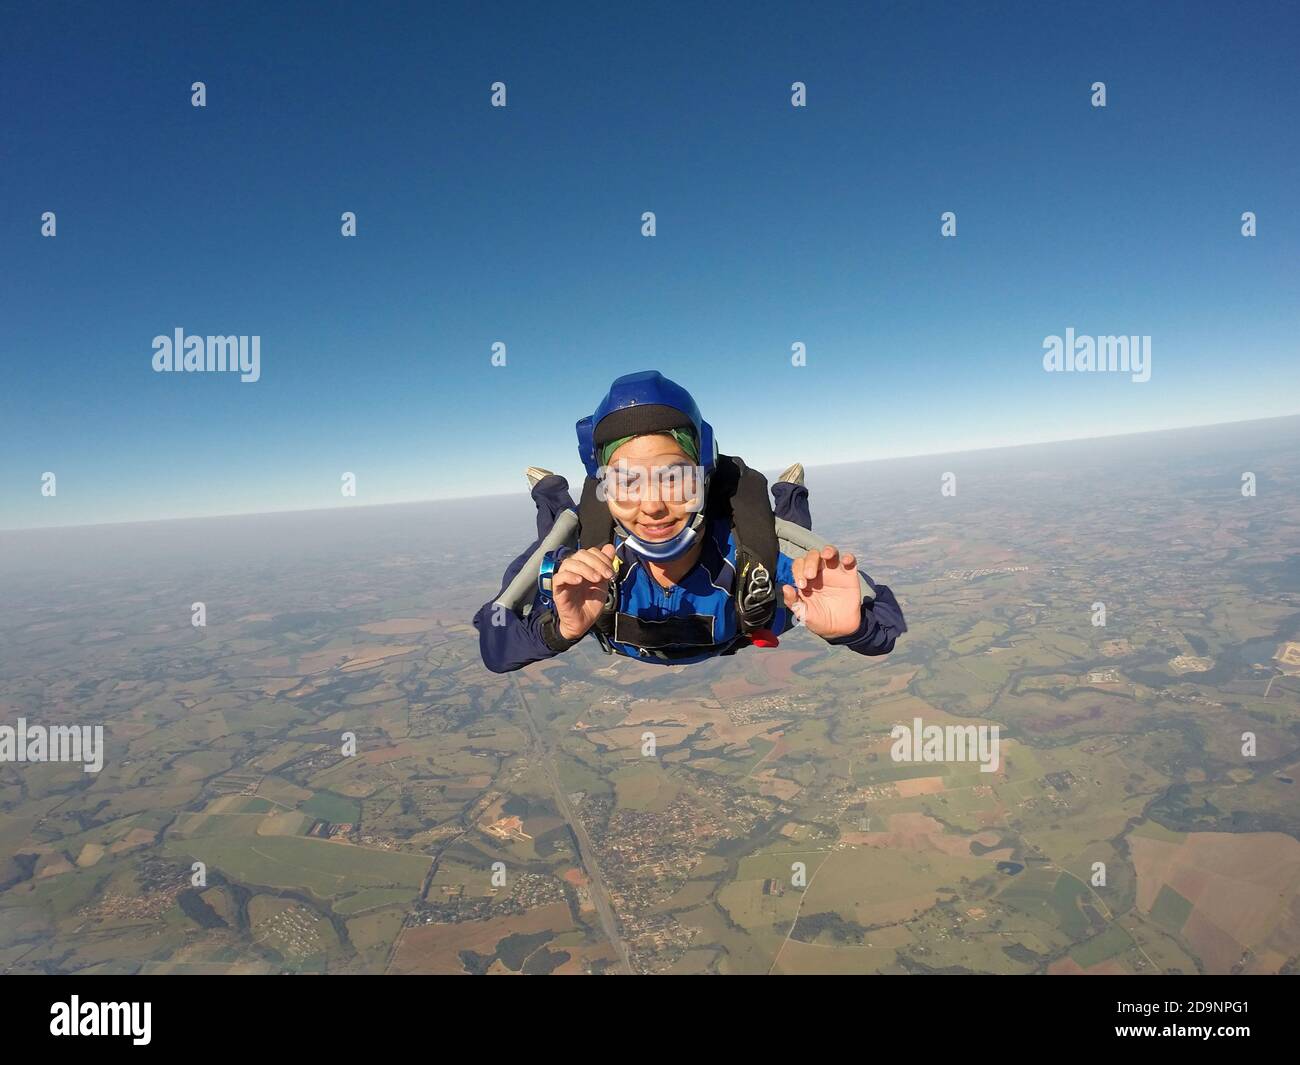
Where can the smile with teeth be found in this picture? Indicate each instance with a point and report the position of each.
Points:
(658, 530)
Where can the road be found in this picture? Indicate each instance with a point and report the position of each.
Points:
(587, 853)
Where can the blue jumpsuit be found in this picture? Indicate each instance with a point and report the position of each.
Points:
(702, 599)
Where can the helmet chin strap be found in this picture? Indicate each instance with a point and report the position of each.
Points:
(665, 550)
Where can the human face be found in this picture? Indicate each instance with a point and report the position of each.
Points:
(652, 487)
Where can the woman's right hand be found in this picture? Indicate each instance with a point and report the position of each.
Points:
(579, 587)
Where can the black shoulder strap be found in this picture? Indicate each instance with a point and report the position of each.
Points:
(595, 523)
(757, 548)
(596, 529)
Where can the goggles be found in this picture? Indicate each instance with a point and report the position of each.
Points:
(626, 483)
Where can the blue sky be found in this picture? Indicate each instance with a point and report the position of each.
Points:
(522, 225)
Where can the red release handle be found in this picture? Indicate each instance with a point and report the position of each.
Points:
(764, 638)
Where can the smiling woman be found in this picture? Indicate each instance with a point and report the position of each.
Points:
(652, 490)
(676, 553)
(646, 427)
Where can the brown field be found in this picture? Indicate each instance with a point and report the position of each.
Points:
(368, 657)
(629, 739)
(629, 673)
(52, 865)
(435, 948)
(815, 959)
(734, 688)
(536, 671)
(780, 747)
(1103, 710)
(897, 683)
(399, 626)
(779, 664)
(1244, 889)
(285, 823)
(920, 832)
(673, 721)
(1266, 963)
(350, 659)
(767, 669)
(272, 664)
(137, 837)
(579, 956)
(895, 911)
(694, 714)
(777, 787)
(390, 754)
(1288, 656)
(902, 708)
(276, 685)
(919, 786)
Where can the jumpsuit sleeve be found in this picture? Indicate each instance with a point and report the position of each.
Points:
(882, 624)
(508, 641)
(882, 618)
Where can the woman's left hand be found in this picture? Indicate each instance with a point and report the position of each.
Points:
(827, 595)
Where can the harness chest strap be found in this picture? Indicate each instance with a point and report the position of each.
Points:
(755, 609)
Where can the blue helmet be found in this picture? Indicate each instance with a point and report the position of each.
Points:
(648, 402)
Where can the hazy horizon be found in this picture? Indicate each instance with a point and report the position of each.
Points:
(575, 484)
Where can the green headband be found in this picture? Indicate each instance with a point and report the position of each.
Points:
(684, 437)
